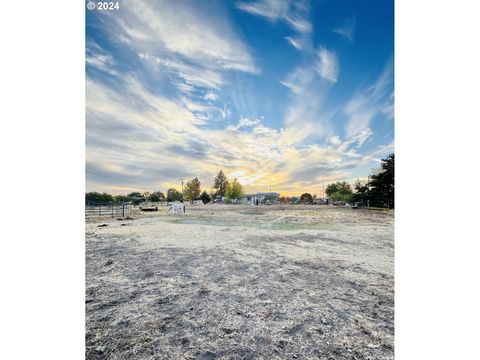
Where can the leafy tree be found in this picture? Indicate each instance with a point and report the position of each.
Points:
(361, 191)
(339, 186)
(192, 190)
(306, 198)
(383, 184)
(234, 190)
(136, 198)
(173, 195)
(156, 196)
(220, 183)
(97, 198)
(340, 191)
(122, 198)
(205, 197)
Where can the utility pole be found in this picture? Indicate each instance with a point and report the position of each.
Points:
(182, 187)
(323, 191)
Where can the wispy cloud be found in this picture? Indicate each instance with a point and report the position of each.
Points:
(194, 48)
(347, 29)
(310, 84)
(210, 96)
(369, 102)
(130, 143)
(98, 58)
(176, 27)
(182, 98)
(273, 10)
(327, 65)
(293, 13)
(244, 123)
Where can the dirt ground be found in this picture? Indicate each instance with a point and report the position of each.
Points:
(241, 282)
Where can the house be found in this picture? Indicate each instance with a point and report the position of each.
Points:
(248, 199)
(268, 197)
(260, 198)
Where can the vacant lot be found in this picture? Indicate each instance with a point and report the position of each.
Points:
(241, 282)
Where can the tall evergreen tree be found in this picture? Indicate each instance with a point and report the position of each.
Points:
(205, 197)
(383, 184)
(220, 183)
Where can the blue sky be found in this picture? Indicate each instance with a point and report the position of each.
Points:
(287, 94)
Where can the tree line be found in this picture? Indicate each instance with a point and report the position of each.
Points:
(378, 191)
(229, 190)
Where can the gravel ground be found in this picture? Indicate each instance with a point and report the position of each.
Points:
(241, 282)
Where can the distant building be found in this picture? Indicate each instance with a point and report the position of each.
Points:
(248, 199)
(260, 198)
(268, 197)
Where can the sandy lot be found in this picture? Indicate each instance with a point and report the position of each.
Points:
(241, 282)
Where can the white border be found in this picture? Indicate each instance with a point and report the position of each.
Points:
(436, 101)
(42, 183)
(42, 145)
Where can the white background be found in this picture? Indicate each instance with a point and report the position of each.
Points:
(42, 134)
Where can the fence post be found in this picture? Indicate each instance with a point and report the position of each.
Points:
(99, 210)
(123, 210)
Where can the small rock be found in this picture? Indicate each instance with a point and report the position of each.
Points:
(108, 262)
(203, 292)
(102, 225)
(282, 344)
(227, 330)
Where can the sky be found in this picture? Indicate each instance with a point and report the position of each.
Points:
(284, 95)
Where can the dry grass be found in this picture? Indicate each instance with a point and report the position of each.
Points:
(239, 282)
